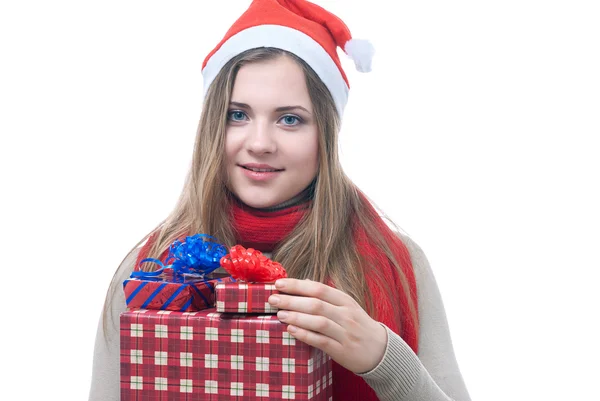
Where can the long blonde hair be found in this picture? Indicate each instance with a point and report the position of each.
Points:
(321, 247)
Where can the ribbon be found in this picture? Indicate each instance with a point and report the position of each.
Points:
(165, 296)
(197, 256)
(251, 266)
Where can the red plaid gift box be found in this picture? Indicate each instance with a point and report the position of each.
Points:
(244, 297)
(172, 292)
(209, 356)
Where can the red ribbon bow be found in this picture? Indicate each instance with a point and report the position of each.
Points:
(251, 266)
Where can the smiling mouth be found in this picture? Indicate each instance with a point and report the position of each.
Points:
(262, 170)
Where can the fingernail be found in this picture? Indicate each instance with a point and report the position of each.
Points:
(292, 329)
(282, 315)
(273, 299)
(279, 284)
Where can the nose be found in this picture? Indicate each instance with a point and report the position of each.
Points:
(260, 138)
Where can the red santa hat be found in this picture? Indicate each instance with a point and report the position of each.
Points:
(300, 27)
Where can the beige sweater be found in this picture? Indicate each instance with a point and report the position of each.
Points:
(432, 375)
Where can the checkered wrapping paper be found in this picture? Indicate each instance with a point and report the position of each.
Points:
(210, 356)
(244, 297)
(180, 294)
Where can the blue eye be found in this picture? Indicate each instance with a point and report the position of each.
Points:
(291, 120)
(236, 115)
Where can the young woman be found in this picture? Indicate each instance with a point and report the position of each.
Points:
(266, 174)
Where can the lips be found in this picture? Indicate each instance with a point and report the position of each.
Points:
(260, 168)
(260, 174)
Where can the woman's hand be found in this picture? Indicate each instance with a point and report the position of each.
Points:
(332, 321)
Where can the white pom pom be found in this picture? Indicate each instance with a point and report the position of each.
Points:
(361, 51)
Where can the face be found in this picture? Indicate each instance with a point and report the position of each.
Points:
(271, 135)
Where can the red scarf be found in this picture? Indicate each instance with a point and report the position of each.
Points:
(263, 230)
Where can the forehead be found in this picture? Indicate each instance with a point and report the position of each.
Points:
(271, 83)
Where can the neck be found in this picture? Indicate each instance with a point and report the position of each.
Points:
(304, 196)
(264, 228)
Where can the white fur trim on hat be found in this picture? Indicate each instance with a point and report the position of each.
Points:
(361, 51)
(285, 38)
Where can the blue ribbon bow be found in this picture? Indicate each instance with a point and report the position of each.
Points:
(197, 255)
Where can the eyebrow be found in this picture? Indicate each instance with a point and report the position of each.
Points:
(279, 109)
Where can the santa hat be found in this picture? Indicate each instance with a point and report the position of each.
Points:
(300, 27)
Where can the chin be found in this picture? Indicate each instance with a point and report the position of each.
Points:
(257, 202)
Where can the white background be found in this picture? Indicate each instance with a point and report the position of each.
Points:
(476, 132)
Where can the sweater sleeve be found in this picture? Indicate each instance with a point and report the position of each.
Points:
(433, 374)
(105, 370)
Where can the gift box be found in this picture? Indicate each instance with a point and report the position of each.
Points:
(210, 356)
(244, 297)
(173, 292)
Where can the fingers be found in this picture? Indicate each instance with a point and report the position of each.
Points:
(317, 324)
(317, 340)
(309, 288)
(309, 306)
(328, 319)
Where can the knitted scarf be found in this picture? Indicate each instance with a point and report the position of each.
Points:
(263, 230)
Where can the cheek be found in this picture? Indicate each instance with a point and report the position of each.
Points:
(313, 161)
(302, 154)
(230, 148)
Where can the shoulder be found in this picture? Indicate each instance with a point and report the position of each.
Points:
(427, 288)
(128, 264)
(115, 296)
(417, 255)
